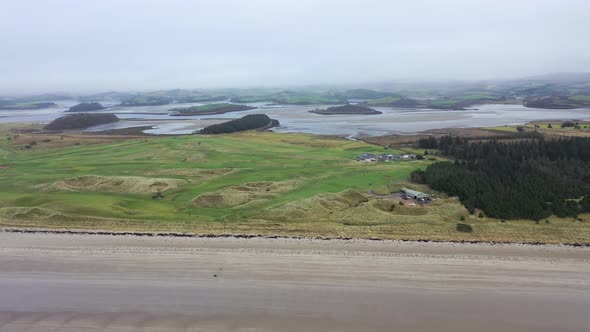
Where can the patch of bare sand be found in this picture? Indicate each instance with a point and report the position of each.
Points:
(247, 193)
(114, 184)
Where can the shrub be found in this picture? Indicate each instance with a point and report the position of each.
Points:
(464, 228)
(47, 140)
(462, 218)
(481, 215)
(568, 124)
(33, 143)
(28, 146)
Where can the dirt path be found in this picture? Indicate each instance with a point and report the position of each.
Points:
(54, 282)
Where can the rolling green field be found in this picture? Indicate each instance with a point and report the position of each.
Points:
(382, 101)
(246, 183)
(581, 98)
(319, 166)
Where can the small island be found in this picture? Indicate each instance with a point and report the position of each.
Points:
(86, 107)
(248, 122)
(210, 109)
(346, 109)
(81, 121)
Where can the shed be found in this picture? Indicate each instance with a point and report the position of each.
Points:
(414, 194)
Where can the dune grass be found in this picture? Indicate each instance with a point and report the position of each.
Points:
(318, 165)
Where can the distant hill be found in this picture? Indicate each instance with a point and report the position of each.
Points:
(27, 106)
(346, 109)
(559, 102)
(291, 97)
(210, 109)
(395, 101)
(201, 99)
(561, 78)
(146, 101)
(366, 94)
(81, 121)
(86, 107)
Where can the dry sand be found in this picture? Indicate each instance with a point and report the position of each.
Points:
(54, 282)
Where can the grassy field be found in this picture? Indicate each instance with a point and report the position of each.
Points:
(247, 183)
(543, 127)
(582, 98)
(382, 101)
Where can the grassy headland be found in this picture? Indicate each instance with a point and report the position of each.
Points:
(26, 106)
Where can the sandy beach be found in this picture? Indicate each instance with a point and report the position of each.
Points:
(51, 282)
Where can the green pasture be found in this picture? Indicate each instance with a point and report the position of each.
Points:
(320, 165)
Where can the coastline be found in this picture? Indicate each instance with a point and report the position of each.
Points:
(327, 239)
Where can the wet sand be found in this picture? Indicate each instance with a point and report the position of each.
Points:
(54, 282)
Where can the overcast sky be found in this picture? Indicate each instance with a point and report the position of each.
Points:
(83, 46)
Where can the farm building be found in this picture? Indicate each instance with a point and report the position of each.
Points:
(408, 156)
(374, 157)
(416, 195)
(366, 157)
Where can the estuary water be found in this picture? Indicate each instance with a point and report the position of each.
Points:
(297, 118)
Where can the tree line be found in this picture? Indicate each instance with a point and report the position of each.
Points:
(528, 179)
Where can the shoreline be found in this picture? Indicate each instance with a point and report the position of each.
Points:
(170, 235)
